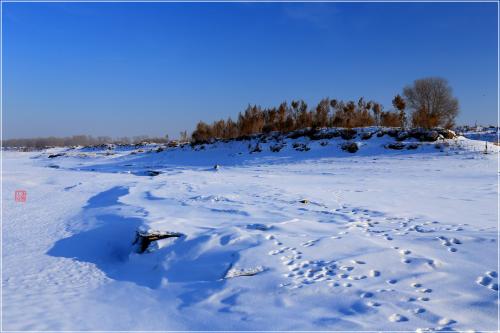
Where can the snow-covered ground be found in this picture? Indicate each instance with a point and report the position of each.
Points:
(291, 240)
(490, 134)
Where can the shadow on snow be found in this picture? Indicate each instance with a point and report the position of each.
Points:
(108, 245)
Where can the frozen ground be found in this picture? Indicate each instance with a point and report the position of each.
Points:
(313, 240)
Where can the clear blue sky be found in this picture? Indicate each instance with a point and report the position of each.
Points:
(155, 68)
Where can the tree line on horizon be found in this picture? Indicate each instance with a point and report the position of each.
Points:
(79, 140)
(429, 101)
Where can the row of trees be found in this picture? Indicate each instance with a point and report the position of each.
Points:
(429, 100)
(79, 140)
(297, 115)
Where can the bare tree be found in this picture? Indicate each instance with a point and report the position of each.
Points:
(183, 136)
(432, 103)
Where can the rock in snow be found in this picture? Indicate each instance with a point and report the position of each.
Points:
(236, 272)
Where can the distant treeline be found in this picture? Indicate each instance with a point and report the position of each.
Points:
(429, 100)
(79, 140)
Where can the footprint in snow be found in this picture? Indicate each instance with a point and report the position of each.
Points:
(384, 290)
(309, 243)
(372, 303)
(279, 251)
(487, 280)
(346, 268)
(492, 274)
(425, 290)
(446, 321)
(448, 243)
(397, 318)
(432, 263)
(366, 295)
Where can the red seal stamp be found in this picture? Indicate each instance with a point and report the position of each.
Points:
(20, 196)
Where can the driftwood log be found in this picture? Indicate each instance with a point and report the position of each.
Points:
(144, 238)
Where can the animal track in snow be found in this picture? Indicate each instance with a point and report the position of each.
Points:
(397, 318)
(366, 295)
(448, 243)
(425, 290)
(446, 321)
(346, 268)
(309, 243)
(310, 271)
(359, 262)
(275, 252)
(372, 303)
(492, 274)
(488, 280)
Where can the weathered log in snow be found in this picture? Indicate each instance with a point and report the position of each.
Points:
(144, 238)
(153, 173)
